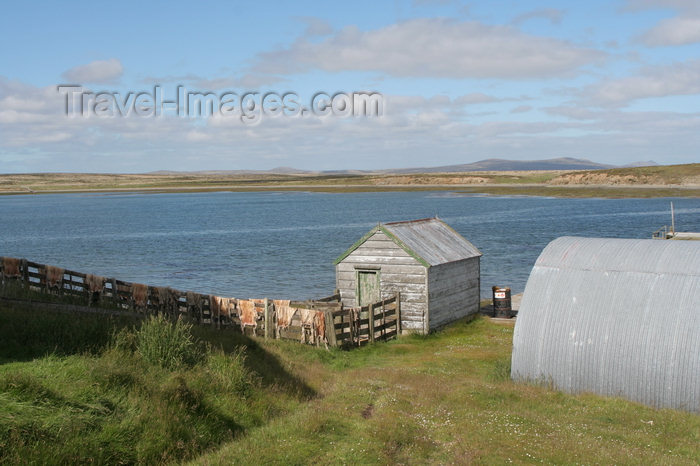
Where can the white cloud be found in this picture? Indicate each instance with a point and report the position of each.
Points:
(553, 15)
(96, 72)
(683, 5)
(35, 135)
(438, 48)
(679, 30)
(674, 31)
(676, 79)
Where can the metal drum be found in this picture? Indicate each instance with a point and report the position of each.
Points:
(501, 302)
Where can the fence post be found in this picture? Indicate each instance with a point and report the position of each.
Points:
(267, 320)
(115, 294)
(43, 282)
(25, 272)
(371, 322)
(383, 321)
(398, 313)
(330, 328)
(211, 312)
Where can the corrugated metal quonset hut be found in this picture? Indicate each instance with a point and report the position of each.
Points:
(436, 270)
(616, 317)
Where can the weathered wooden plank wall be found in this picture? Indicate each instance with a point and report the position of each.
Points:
(453, 291)
(399, 272)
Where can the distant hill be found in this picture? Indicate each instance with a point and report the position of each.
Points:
(647, 163)
(564, 163)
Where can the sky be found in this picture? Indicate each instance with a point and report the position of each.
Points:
(614, 81)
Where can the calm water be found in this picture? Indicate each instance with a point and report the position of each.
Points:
(284, 244)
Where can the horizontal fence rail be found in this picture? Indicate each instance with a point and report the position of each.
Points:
(322, 321)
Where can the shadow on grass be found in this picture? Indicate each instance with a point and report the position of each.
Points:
(27, 332)
(265, 365)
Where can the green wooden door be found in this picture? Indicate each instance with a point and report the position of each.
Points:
(368, 290)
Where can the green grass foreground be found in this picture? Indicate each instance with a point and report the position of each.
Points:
(90, 388)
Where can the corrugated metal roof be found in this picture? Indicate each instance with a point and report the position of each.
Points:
(616, 317)
(431, 241)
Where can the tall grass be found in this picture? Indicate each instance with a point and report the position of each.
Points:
(168, 344)
(91, 389)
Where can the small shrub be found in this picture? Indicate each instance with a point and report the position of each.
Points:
(168, 344)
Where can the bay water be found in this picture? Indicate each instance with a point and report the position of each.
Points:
(282, 244)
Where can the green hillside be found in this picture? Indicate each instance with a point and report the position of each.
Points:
(79, 389)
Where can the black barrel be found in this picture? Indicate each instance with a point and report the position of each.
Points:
(501, 302)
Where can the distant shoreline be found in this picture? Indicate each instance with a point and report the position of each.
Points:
(639, 182)
(535, 190)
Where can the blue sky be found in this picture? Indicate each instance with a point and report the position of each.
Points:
(611, 81)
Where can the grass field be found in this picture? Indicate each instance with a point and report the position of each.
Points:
(77, 389)
(660, 181)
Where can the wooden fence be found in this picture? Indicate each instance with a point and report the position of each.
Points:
(323, 321)
(367, 324)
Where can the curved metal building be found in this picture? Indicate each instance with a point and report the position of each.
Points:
(617, 317)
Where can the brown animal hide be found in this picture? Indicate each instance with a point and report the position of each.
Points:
(220, 306)
(307, 317)
(320, 327)
(284, 314)
(10, 267)
(139, 293)
(214, 306)
(54, 276)
(307, 322)
(247, 314)
(94, 283)
(225, 306)
(315, 322)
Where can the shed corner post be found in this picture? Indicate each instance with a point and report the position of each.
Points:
(478, 274)
(426, 309)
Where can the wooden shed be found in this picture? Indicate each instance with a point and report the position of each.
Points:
(436, 270)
